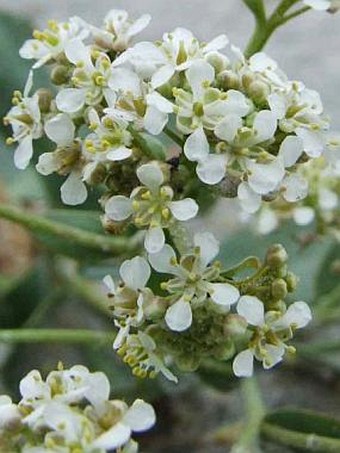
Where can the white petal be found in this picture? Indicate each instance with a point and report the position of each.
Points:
(114, 438)
(303, 215)
(23, 153)
(277, 104)
(228, 127)
(260, 61)
(243, 364)
(298, 314)
(60, 129)
(275, 354)
(118, 154)
(199, 72)
(162, 76)
(249, 200)
(196, 147)
(236, 103)
(252, 310)
(70, 100)
(125, 80)
(224, 294)
(212, 170)
(217, 43)
(99, 388)
(151, 176)
(76, 52)
(135, 272)
(154, 120)
(154, 240)
(140, 416)
(313, 141)
(118, 208)
(327, 199)
(265, 124)
(265, 178)
(162, 260)
(290, 150)
(296, 188)
(179, 316)
(73, 191)
(139, 25)
(109, 284)
(47, 164)
(184, 209)
(267, 221)
(160, 102)
(209, 247)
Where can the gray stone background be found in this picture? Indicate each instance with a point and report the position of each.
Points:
(308, 48)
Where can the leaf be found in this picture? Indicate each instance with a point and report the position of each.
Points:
(304, 430)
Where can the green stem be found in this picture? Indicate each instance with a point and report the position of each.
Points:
(304, 441)
(174, 137)
(38, 224)
(55, 336)
(88, 290)
(41, 310)
(255, 412)
(266, 26)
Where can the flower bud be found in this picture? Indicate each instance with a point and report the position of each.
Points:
(45, 99)
(111, 226)
(96, 176)
(258, 91)
(228, 80)
(224, 351)
(218, 61)
(187, 363)
(279, 289)
(276, 256)
(60, 75)
(155, 308)
(235, 325)
(292, 282)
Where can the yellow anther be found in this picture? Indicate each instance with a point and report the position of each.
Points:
(53, 25)
(9, 141)
(291, 350)
(153, 374)
(135, 205)
(166, 213)
(164, 286)
(100, 80)
(146, 195)
(173, 261)
(37, 34)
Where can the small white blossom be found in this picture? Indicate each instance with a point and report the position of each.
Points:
(119, 30)
(25, 120)
(192, 284)
(151, 205)
(50, 43)
(268, 342)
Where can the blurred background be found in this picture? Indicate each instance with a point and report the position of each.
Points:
(41, 285)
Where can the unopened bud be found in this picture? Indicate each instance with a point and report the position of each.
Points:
(279, 289)
(60, 75)
(45, 99)
(111, 226)
(224, 351)
(258, 91)
(187, 363)
(292, 281)
(276, 256)
(228, 80)
(235, 325)
(218, 61)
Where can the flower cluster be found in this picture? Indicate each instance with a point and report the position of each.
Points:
(240, 122)
(321, 205)
(199, 310)
(70, 411)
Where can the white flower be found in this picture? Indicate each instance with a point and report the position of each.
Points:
(9, 413)
(25, 120)
(175, 54)
(152, 206)
(266, 345)
(119, 30)
(193, 282)
(128, 300)
(61, 129)
(90, 80)
(50, 43)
